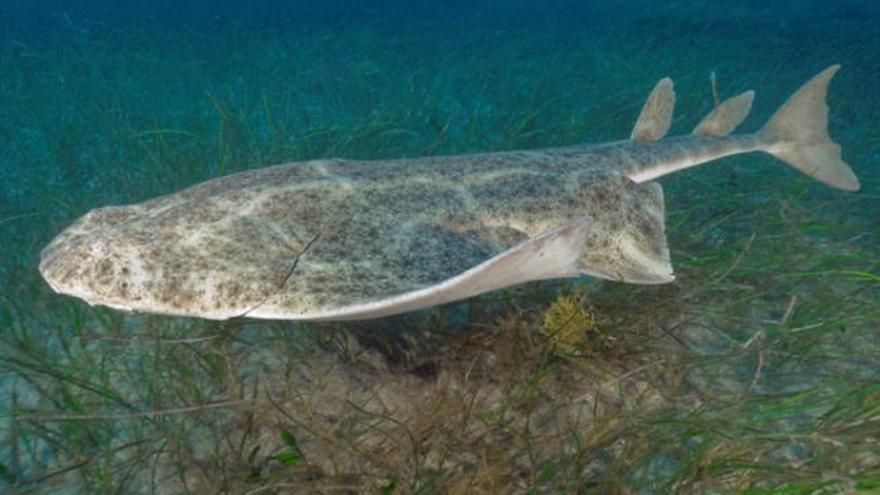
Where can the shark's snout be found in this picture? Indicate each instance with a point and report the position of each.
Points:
(88, 268)
(88, 260)
(160, 264)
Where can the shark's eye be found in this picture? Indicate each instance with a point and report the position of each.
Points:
(97, 248)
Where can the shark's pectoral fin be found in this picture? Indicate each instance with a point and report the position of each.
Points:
(554, 254)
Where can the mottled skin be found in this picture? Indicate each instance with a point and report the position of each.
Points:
(227, 246)
(340, 239)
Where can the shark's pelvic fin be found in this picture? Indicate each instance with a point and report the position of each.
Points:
(798, 135)
(726, 117)
(656, 116)
(636, 252)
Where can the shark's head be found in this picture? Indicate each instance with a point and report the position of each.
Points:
(89, 260)
(163, 262)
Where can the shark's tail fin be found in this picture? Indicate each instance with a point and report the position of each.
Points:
(798, 135)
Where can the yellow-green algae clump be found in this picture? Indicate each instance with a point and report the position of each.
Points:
(569, 322)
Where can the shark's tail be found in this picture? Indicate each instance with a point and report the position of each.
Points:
(798, 135)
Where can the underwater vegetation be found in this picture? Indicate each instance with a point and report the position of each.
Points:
(569, 323)
(757, 371)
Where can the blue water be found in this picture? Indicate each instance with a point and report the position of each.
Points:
(115, 102)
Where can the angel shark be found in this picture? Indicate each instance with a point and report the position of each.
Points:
(346, 240)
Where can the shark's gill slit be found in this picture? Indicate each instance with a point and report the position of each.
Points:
(296, 261)
(286, 278)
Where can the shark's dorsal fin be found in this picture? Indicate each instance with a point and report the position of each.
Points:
(726, 117)
(656, 116)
